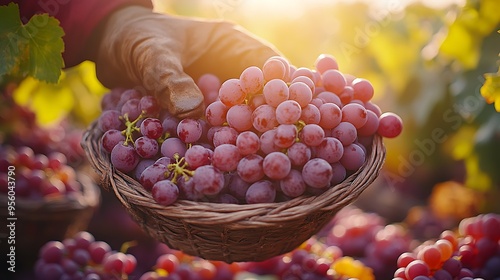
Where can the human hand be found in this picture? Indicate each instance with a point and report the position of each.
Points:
(165, 54)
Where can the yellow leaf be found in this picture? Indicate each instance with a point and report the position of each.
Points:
(491, 89)
(461, 144)
(461, 45)
(476, 178)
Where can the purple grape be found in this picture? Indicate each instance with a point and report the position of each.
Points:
(165, 192)
(124, 157)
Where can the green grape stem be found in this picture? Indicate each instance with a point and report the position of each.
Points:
(130, 128)
(179, 168)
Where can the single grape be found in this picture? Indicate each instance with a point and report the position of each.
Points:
(97, 251)
(238, 187)
(330, 115)
(111, 138)
(143, 164)
(131, 109)
(151, 128)
(110, 120)
(317, 173)
(299, 153)
(52, 252)
(325, 62)
(345, 132)
(285, 135)
(169, 125)
(288, 112)
(330, 149)
(264, 118)
(208, 83)
(390, 125)
(275, 91)
(252, 80)
(231, 93)
(149, 106)
(239, 117)
(355, 114)
(333, 80)
(226, 157)
(339, 173)
(329, 97)
(189, 130)
(260, 192)
(197, 156)
(274, 69)
(310, 114)
(353, 157)
(276, 165)
(215, 113)
(146, 147)
(165, 192)
(267, 142)
(347, 95)
(301, 93)
(312, 135)
(152, 174)
(371, 125)
(208, 180)
(248, 143)
(172, 146)
(124, 157)
(293, 185)
(225, 135)
(416, 268)
(363, 89)
(250, 168)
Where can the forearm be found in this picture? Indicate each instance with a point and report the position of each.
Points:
(80, 20)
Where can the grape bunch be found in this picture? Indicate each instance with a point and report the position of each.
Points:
(82, 257)
(38, 176)
(473, 252)
(273, 134)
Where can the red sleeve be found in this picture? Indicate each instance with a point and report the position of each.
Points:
(80, 20)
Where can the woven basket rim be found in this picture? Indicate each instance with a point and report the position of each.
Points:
(129, 191)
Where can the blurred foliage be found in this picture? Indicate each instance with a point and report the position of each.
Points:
(427, 64)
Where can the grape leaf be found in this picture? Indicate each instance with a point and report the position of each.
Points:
(33, 49)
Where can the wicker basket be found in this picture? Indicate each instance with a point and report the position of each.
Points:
(40, 221)
(230, 232)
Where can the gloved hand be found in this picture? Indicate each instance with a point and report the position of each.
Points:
(165, 54)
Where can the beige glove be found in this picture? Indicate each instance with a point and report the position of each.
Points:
(165, 54)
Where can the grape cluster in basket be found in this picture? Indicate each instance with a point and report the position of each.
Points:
(274, 133)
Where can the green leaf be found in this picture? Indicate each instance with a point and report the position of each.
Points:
(33, 49)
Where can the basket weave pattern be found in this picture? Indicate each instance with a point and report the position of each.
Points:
(231, 232)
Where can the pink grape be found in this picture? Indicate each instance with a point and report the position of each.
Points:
(288, 112)
(276, 165)
(187, 190)
(355, 114)
(165, 192)
(239, 117)
(230, 93)
(208, 83)
(371, 125)
(330, 149)
(248, 143)
(363, 89)
(110, 120)
(293, 185)
(252, 80)
(299, 153)
(149, 106)
(339, 173)
(390, 125)
(274, 69)
(345, 132)
(152, 128)
(208, 180)
(225, 135)
(153, 174)
(197, 156)
(416, 268)
(333, 80)
(373, 107)
(111, 138)
(215, 113)
(330, 115)
(226, 157)
(275, 91)
(325, 62)
(347, 95)
(353, 157)
(285, 136)
(238, 187)
(267, 142)
(312, 135)
(329, 97)
(310, 114)
(189, 130)
(172, 146)
(260, 192)
(250, 168)
(124, 157)
(302, 71)
(317, 173)
(301, 93)
(256, 100)
(169, 125)
(306, 80)
(264, 118)
(146, 147)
